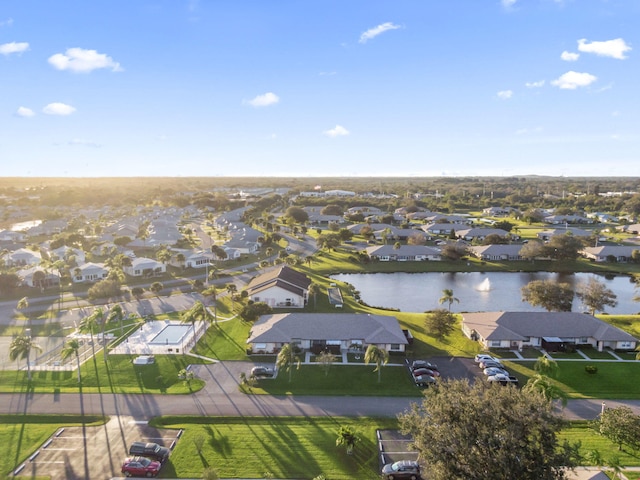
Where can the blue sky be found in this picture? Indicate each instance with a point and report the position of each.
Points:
(319, 87)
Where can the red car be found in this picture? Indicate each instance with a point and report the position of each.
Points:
(140, 467)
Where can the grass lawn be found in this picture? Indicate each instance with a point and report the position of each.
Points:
(282, 447)
(21, 435)
(119, 375)
(614, 380)
(581, 431)
(226, 341)
(356, 380)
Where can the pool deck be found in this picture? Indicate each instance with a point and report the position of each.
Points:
(138, 342)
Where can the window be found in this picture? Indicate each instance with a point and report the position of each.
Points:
(260, 346)
(395, 346)
(495, 343)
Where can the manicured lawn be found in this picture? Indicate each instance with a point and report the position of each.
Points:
(615, 380)
(581, 431)
(226, 341)
(21, 435)
(284, 447)
(119, 375)
(356, 380)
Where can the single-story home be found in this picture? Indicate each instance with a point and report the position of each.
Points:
(606, 253)
(330, 331)
(282, 287)
(145, 267)
(480, 233)
(89, 272)
(406, 253)
(515, 330)
(22, 257)
(37, 276)
(576, 232)
(496, 252)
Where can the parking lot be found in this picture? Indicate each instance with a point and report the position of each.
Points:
(92, 452)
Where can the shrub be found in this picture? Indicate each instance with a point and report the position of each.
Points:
(591, 369)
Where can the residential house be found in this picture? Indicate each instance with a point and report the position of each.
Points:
(12, 237)
(66, 253)
(339, 193)
(144, 267)
(610, 253)
(480, 234)
(549, 330)
(443, 228)
(633, 228)
(498, 211)
(22, 257)
(365, 210)
(576, 232)
(496, 252)
(560, 219)
(89, 273)
(406, 253)
(38, 277)
(326, 331)
(281, 287)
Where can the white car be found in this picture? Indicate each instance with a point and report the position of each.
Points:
(483, 356)
(494, 371)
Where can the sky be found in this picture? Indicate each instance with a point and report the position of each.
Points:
(307, 88)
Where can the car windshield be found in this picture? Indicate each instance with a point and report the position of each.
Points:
(395, 467)
(144, 461)
(156, 449)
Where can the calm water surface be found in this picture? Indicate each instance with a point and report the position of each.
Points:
(477, 292)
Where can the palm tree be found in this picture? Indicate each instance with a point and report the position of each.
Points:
(615, 466)
(21, 347)
(347, 438)
(91, 324)
(23, 305)
(212, 292)
(156, 288)
(287, 357)
(197, 312)
(377, 355)
(72, 347)
(116, 313)
(546, 366)
(232, 289)
(314, 288)
(447, 297)
(545, 387)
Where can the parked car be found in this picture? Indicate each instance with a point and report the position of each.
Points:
(494, 371)
(426, 371)
(261, 372)
(490, 363)
(503, 379)
(423, 364)
(483, 356)
(402, 469)
(140, 467)
(424, 380)
(150, 450)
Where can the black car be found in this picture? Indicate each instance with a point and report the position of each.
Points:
(423, 364)
(401, 469)
(150, 450)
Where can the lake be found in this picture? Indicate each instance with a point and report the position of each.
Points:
(477, 292)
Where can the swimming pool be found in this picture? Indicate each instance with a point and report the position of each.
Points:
(170, 335)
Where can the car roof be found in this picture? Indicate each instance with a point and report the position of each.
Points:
(407, 463)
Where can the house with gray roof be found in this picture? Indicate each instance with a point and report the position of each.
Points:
(515, 330)
(608, 253)
(546, 235)
(145, 267)
(89, 272)
(496, 252)
(331, 331)
(443, 228)
(281, 287)
(480, 233)
(406, 253)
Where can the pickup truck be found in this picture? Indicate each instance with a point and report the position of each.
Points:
(503, 379)
(150, 450)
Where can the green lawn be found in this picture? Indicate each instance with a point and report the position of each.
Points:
(614, 380)
(118, 375)
(356, 380)
(589, 439)
(21, 435)
(285, 447)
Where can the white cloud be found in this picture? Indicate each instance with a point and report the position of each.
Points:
(57, 108)
(538, 84)
(83, 61)
(375, 31)
(263, 100)
(569, 56)
(6, 23)
(338, 131)
(505, 94)
(572, 80)
(508, 3)
(13, 47)
(24, 112)
(610, 48)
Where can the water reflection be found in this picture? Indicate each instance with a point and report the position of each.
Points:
(477, 292)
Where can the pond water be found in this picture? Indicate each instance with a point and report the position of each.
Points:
(477, 292)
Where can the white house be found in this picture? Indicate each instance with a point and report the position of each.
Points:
(406, 253)
(22, 257)
(282, 287)
(89, 272)
(145, 267)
